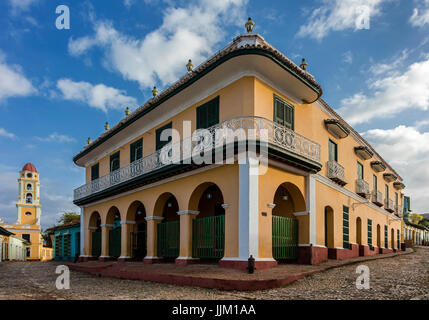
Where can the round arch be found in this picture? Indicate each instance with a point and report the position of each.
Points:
(329, 227)
(359, 231)
(95, 234)
(166, 206)
(392, 238)
(379, 237)
(137, 232)
(288, 200)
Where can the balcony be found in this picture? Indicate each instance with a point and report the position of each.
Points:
(388, 205)
(363, 152)
(336, 173)
(281, 139)
(390, 177)
(399, 211)
(378, 166)
(377, 198)
(362, 188)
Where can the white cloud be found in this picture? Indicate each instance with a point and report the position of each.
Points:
(387, 68)
(348, 57)
(55, 137)
(407, 150)
(190, 32)
(390, 95)
(13, 83)
(4, 133)
(97, 96)
(338, 15)
(420, 15)
(21, 5)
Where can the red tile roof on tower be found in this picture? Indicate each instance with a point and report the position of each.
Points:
(29, 167)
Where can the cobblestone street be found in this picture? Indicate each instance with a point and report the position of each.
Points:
(402, 277)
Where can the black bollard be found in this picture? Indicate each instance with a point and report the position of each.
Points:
(251, 264)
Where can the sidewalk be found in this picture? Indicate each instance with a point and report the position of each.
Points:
(213, 276)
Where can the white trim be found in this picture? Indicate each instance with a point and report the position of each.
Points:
(23, 230)
(82, 231)
(328, 182)
(107, 225)
(152, 257)
(248, 210)
(314, 245)
(157, 218)
(187, 258)
(92, 228)
(105, 257)
(128, 222)
(242, 259)
(225, 206)
(191, 212)
(311, 206)
(302, 213)
(271, 205)
(163, 181)
(124, 257)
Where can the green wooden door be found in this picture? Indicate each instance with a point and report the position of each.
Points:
(208, 237)
(138, 240)
(58, 246)
(285, 238)
(115, 242)
(169, 239)
(67, 246)
(96, 243)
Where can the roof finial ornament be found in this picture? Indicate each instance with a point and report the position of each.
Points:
(303, 65)
(190, 66)
(127, 112)
(154, 91)
(89, 140)
(106, 126)
(249, 25)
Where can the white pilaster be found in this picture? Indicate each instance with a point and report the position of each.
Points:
(82, 232)
(248, 210)
(311, 206)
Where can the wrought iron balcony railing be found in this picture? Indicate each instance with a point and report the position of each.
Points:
(377, 198)
(336, 172)
(388, 205)
(253, 128)
(362, 188)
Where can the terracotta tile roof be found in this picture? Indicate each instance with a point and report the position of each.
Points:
(240, 43)
(29, 167)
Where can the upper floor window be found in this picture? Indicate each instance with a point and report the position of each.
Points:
(26, 237)
(29, 198)
(396, 199)
(387, 192)
(284, 113)
(360, 171)
(333, 151)
(115, 161)
(374, 182)
(29, 175)
(29, 187)
(95, 172)
(159, 143)
(136, 150)
(208, 114)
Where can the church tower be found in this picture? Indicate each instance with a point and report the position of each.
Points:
(28, 206)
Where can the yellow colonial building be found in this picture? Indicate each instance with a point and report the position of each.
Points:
(29, 211)
(312, 189)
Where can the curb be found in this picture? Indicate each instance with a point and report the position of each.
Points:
(117, 271)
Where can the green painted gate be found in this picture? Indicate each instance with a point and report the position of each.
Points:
(67, 245)
(169, 239)
(208, 237)
(138, 244)
(96, 243)
(285, 238)
(115, 242)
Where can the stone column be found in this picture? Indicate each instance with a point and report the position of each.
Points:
(126, 229)
(185, 255)
(105, 228)
(152, 239)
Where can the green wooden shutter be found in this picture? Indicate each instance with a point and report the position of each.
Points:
(284, 113)
(333, 151)
(95, 172)
(374, 182)
(370, 232)
(136, 150)
(159, 143)
(359, 170)
(345, 227)
(208, 114)
(115, 161)
(386, 242)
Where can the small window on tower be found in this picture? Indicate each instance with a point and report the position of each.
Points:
(29, 175)
(28, 214)
(29, 186)
(29, 198)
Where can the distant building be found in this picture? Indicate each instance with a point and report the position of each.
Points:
(12, 248)
(65, 240)
(29, 211)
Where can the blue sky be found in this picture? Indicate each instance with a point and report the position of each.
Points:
(59, 87)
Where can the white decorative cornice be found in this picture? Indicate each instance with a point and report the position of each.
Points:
(225, 206)
(128, 222)
(302, 213)
(107, 225)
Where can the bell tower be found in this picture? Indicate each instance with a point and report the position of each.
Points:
(28, 206)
